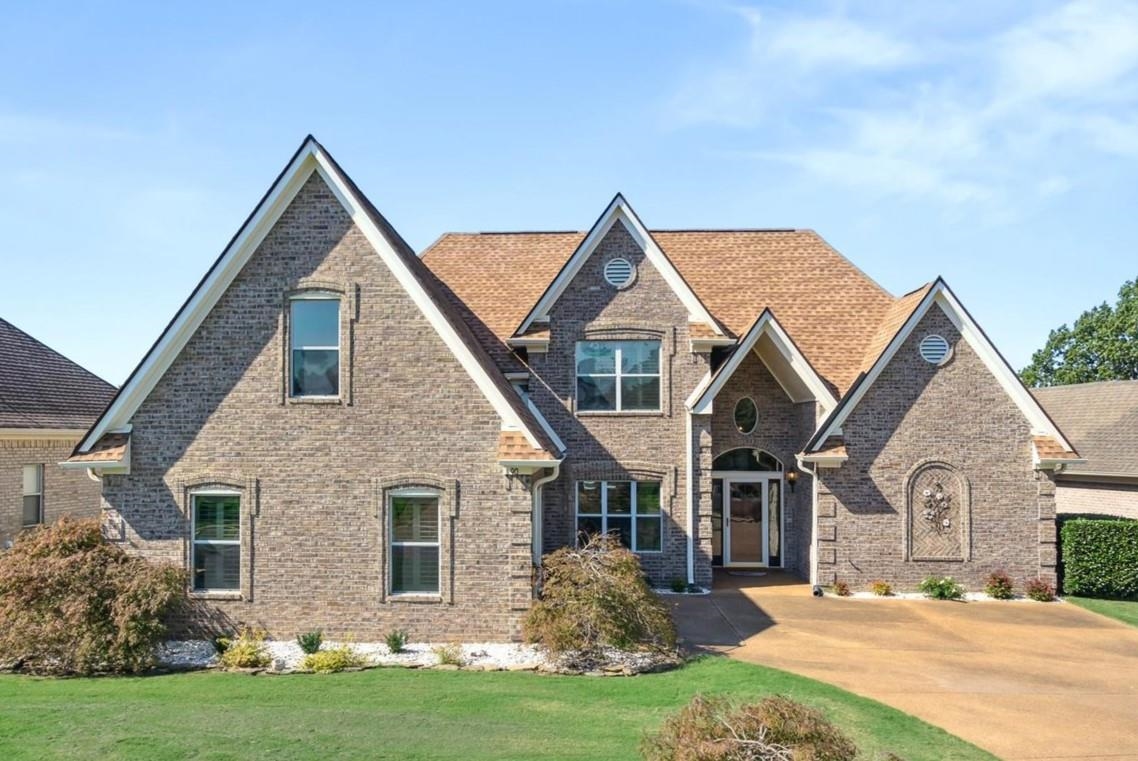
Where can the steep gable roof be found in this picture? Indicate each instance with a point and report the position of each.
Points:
(830, 307)
(41, 388)
(423, 288)
(1101, 420)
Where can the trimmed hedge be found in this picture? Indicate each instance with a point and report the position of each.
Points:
(1100, 558)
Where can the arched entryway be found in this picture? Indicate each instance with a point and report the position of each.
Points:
(747, 511)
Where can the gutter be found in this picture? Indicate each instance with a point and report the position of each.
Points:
(538, 505)
(813, 471)
(690, 500)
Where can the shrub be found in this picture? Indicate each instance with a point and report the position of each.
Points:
(595, 596)
(396, 640)
(881, 588)
(449, 655)
(310, 642)
(679, 585)
(246, 651)
(334, 659)
(1100, 558)
(72, 603)
(1039, 590)
(999, 586)
(942, 588)
(711, 728)
(841, 589)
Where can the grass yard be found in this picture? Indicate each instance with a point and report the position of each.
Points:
(403, 714)
(1125, 611)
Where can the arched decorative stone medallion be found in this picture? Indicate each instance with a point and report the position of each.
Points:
(938, 512)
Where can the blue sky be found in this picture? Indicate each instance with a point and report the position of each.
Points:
(993, 143)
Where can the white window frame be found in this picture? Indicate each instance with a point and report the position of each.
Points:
(39, 494)
(604, 513)
(617, 374)
(194, 542)
(392, 544)
(293, 348)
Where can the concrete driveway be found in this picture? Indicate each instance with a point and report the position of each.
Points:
(1023, 680)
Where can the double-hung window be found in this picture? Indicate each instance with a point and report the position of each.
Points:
(414, 550)
(33, 495)
(314, 345)
(629, 510)
(618, 375)
(216, 541)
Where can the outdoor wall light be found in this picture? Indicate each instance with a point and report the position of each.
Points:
(792, 478)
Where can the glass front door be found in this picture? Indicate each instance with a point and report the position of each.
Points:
(747, 519)
(745, 529)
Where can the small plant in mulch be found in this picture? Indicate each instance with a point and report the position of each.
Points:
(1000, 586)
(942, 588)
(841, 589)
(334, 659)
(246, 651)
(881, 588)
(450, 654)
(1039, 590)
(396, 640)
(310, 642)
(679, 585)
(713, 728)
(595, 597)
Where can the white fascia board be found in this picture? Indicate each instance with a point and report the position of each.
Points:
(618, 210)
(700, 401)
(941, 296)
(545, 426)
(310, 158)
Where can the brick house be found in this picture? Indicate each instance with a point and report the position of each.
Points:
(47, 403)
(335, 432)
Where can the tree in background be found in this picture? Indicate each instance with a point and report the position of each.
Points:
(1102, 345)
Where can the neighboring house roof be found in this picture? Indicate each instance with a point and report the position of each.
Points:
(423, 288)
(830, 308)
(1101, 420)
(1052, 447)
(41, 388)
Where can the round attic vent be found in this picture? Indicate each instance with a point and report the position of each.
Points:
(619, 272)
(935, 349)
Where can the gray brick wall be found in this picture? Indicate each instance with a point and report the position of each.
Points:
(65, 492)
(312, 476)
(956, 414)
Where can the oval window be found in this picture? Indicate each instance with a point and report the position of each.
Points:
(746, 415)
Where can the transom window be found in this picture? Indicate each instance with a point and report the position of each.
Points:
(618, 375)
(314, 326)
(628, 509)
(33, 495)
(414, 533)
(217, 541)
(746, 459)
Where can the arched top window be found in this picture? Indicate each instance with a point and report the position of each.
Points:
(746, 459)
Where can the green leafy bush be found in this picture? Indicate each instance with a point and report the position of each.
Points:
(1039, 590)
(396, 640)
(72, 603)
(881, 588)
(310, 642)
(712, 728)
(679, 585)
(246, 651)
(1000, 586)
(595, 596)
(334, 659)
(942, 588)
(1100, 558)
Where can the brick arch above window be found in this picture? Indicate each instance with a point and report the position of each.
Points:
(349, 296)
(448, 495)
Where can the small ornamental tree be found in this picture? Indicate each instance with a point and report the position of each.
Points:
(595, 596)
(72, 603)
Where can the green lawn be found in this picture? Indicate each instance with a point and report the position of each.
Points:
(404, 714)
(1125, 611)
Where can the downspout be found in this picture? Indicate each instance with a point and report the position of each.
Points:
(812, 469)
(536, 520)
(688, 476)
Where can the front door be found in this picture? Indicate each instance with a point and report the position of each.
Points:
(747, 519)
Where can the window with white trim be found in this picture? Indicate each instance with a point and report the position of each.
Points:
(414, 542)
(216, 533)
(628, 509)
(33, 495)
(314, 345)
(618, 375)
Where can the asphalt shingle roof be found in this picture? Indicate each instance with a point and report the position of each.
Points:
(41, 388)
(1101, 422)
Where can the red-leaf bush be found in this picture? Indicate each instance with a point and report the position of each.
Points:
(72, 603)
(1039, 590)
(1000, 586)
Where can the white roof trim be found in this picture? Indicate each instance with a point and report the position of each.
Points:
(545, 426)
(310, 158)
(700, 400)
(619, 211)
(942, 296)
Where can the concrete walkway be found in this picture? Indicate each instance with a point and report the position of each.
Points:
(1022, 680)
